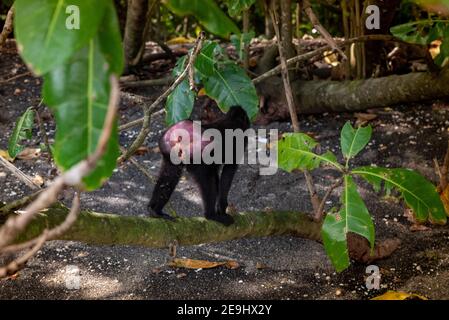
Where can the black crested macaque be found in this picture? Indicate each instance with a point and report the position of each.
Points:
(214, 180)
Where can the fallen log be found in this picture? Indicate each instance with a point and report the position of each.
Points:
(109, 229)
(335, 96)
(312, 97)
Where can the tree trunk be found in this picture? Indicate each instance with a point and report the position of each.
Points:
(133, 40)
(287, 28)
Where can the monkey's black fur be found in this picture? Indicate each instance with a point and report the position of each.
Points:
(214, 180)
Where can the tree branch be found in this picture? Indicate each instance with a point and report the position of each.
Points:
(316, 23)
(7, 27)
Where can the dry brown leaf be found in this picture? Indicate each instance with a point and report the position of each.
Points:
(253, 62)
(13, 276)
(232, 265)
(29, 154)
(445, 199)
(180, 40)
(38, 180)
(201, 264)
(260, 265)
(408, 213)
(397, 295)
(364, 118)
(418, 227)
(4, 154)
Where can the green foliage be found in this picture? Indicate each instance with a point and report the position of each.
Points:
(235, 7)
(353, 141)
(179, 103)
(418, 193)
(240, 41)
(22, 131)
(230, 86)
(223, 81)
(78, 94)
(41, 33)
(77, 66)
(423, 33)
(297, 151)
(207, 13)
(352, 217)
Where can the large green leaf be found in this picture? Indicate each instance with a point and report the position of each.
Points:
(235, 7)
(40, 28)
(179, 104)
(110, 40)
(296, 152)
(205, 62)
(353, 141)
(230, 86)
(208, 14)
(420, 32)
(418, 193)
(352, 217)
(78, 93)
(21, 132)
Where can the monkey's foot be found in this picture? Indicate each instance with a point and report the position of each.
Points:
(225, 219)
(161, 215)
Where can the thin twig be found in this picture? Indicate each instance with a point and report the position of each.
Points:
(9, 207)
(40, 124)
(319, 214)
(316, 23)
(28, 73)
(7, 27)
(17, 264)
(19, 174)
(38, 242)
(291, 104)
(445, 169)
(146, 83)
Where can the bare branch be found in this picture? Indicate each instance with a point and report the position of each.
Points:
(291, 104)
(316, 23)
(7, 27)
(38, 242)
(19, 174)
(319, 214)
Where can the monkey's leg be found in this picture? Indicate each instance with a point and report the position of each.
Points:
(165, 185)
(226, 178)
(206, 177)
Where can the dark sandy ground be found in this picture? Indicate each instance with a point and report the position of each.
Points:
(409, 136)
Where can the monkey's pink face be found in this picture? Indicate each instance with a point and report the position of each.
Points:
(185, 138)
